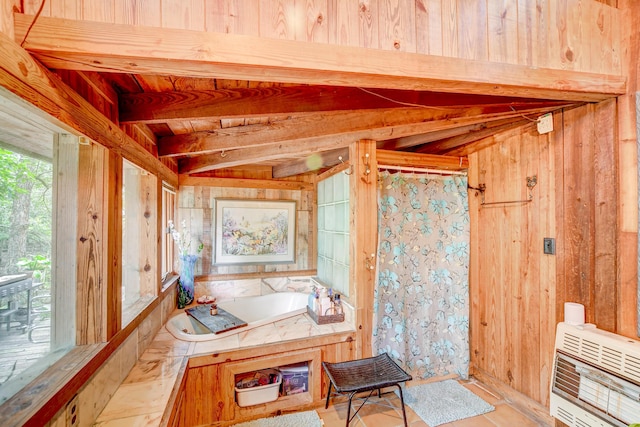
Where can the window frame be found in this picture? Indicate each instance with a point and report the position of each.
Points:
(169, 198)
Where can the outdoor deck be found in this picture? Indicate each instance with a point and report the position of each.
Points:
(17, 353)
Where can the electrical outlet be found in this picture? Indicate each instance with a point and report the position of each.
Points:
(545, 123)
(549, 246)
(71, 410)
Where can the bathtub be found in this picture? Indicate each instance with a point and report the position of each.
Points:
(256, 311)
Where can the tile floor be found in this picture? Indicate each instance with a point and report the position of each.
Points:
(505, 414)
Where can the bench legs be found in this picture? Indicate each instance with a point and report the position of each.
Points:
(349, 416)
(404, 413)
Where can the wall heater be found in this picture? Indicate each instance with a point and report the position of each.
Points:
(596, 378)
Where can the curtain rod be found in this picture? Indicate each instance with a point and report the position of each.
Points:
(413, 169)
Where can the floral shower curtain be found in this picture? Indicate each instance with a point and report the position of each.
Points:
(421, 301)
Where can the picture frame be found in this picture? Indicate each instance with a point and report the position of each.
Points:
(254, 231)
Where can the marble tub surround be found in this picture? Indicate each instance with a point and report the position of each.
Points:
(228, 289)
(302, 284)
(147, 393)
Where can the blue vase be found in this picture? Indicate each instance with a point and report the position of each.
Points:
(186, 286)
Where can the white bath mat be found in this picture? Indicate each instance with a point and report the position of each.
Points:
(297, 419)
(443, 402)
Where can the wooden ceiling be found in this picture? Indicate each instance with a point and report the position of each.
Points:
(208, 124)
(297, 108)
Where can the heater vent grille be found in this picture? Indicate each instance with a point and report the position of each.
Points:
(613, 358)
(596, 378)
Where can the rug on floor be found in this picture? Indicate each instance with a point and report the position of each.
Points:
(297, 419)
(443, 402)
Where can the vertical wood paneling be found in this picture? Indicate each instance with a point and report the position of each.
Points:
(98, 10)
(549, 180)
(113, 201)
(148, 234)
(578, 221)
(429, 27)
(185, 14)
(232, 16)
(560, 54)
(628, 176)
(533, 32)
(139, 12)
(573, 202)
(313, 16)
(31, 7)
(278, 19)
(450, 28)
(577, 27)
(65, 218)
(69, 9)
(472, 30)
(368, 24)
(503, 31)
(598, 26)
(510, 292)
(529, 301)
(91, 260)
(397, 25)
(477, 308)
(363, 208)
(582, 35)
(605, 216)
(343, 25)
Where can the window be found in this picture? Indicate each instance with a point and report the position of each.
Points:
(168, 214)
(333, 232)
(139, 240)
(38, 214)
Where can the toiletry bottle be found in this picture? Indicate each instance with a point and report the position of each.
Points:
(337, 304)
(310, 300)
(325, 302)
(316, 302)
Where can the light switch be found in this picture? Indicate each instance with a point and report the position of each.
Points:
(549, 246)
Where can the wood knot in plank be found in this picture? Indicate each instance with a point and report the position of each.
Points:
(83, 239)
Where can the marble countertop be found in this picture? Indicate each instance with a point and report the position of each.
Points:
(143, 396)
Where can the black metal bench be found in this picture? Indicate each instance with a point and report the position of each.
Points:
(370, 374)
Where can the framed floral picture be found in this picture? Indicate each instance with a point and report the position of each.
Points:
(254, 231)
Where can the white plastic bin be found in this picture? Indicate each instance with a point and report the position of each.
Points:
(255, 395)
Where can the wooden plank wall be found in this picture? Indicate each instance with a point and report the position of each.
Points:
(581, 35)
(628, 177)
(196, 207)
(517, 292)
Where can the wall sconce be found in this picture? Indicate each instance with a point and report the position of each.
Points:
(369, 262)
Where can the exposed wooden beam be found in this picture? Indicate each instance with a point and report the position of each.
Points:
(302, 147)
(445, 145)
(351, 126)
(159, 107)
(29, 83)
(322, 160)
(205, 181)
(417, 160)
(408, 142)
(96, 46)
(97, 82)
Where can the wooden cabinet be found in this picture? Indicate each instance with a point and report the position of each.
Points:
(210, 384)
